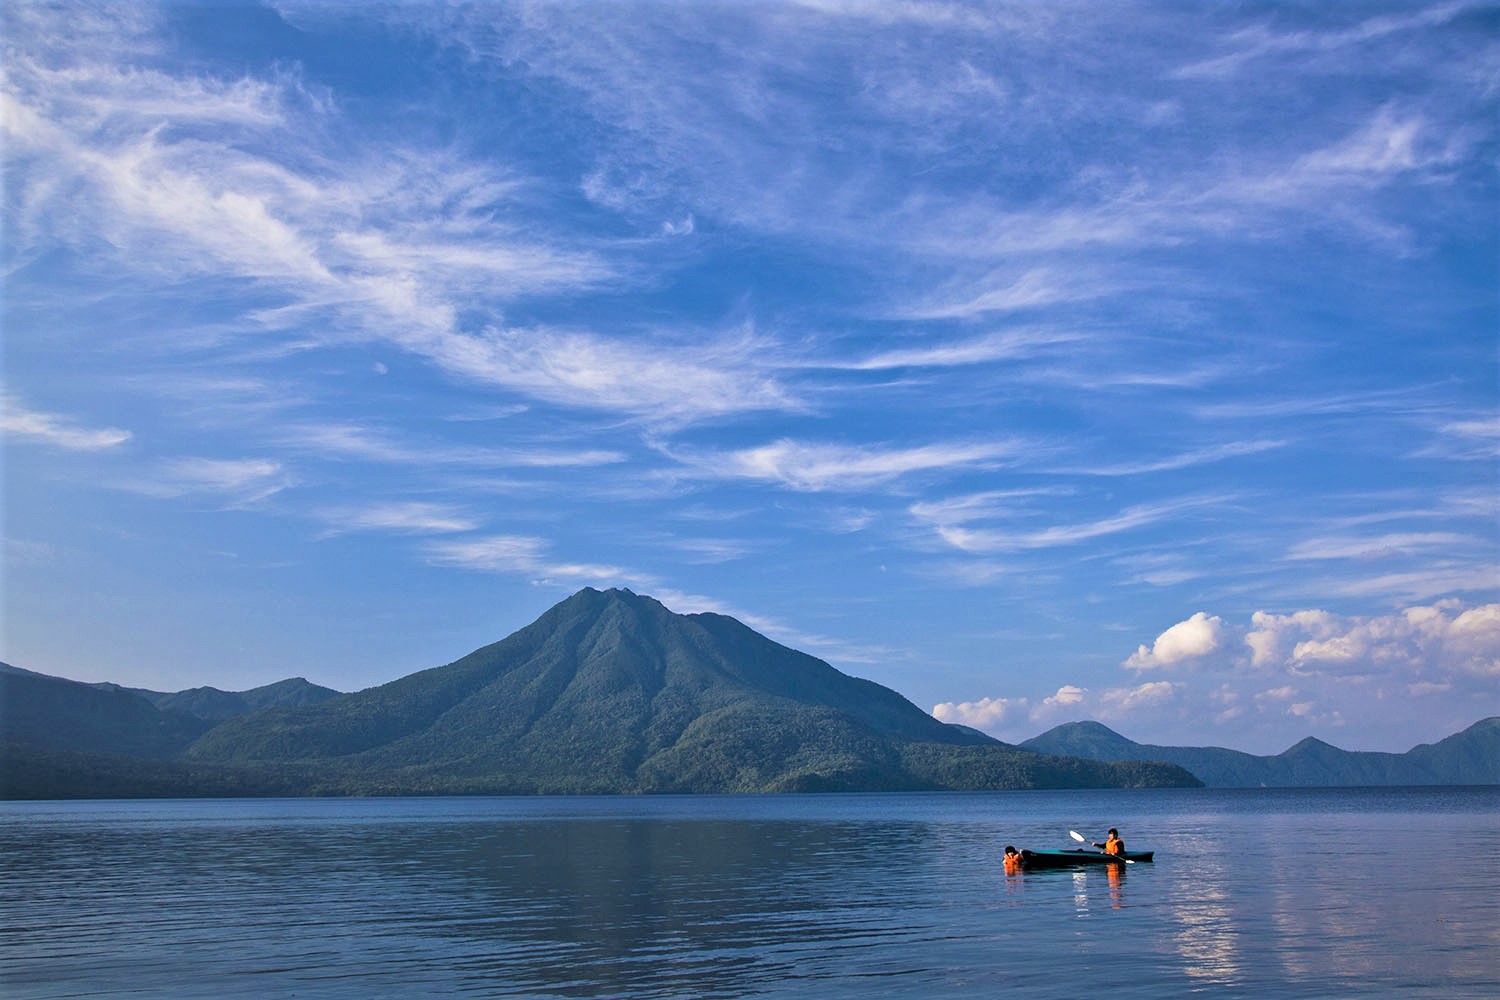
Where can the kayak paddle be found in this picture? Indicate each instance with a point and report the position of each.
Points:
(1083, 840)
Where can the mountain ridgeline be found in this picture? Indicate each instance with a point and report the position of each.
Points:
(1471, 757)
(610, 692)
(607, 692)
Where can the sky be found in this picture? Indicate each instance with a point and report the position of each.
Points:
(1134, 362)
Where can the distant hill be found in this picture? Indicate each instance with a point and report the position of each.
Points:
(606, 692)
(1471, 757)
(216, 706)
(57, 714)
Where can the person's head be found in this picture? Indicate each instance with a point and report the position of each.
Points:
(1010, 851)
(1113, 832)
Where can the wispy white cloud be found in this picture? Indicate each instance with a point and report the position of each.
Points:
(974, 506)
(1390, 143)
(818, 467)
(653, 380)
(995, 294)
(1381, 546)
(710, 550)
(981, 540)
(1160, 569)
(1470, 576)
(56, 430)
(529, 556)
(1182, 460)
(390, 244)
(408, 517)
(1125, 376)
(234, 481)
(1007, 345)
(1117, 703)
(836, 648)
(1259, 43)
(1475, 439)
(360, 442)
(1407, 399)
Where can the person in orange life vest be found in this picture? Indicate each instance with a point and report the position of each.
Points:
(1112, 844)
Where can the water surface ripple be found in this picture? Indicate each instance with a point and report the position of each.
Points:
(1329, 893)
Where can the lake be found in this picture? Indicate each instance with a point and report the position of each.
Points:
(1253, 893)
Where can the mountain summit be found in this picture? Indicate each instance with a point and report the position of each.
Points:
(609, 691)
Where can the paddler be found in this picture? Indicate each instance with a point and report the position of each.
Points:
(1112, 843)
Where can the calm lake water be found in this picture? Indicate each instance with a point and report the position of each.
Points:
(1254, 893)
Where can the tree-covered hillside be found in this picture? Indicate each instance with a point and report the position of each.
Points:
(607, 692)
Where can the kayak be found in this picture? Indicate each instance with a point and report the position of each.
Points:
(1078, 856)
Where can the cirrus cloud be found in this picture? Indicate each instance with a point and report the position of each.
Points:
(56, 430)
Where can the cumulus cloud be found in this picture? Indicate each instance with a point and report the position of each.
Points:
(986, 713)
(1318, 669)
(1066, 696)
(1426, 641)
(995, 714)
(1070, 701)
(1188, 640)
(1314, 666)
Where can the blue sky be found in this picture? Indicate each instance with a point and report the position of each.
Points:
(1133, 361)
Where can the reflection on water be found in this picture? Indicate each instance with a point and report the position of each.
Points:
(834, 895)
(1116, 876)
(1206, 932)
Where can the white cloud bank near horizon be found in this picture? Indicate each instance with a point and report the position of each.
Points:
(1306, 665)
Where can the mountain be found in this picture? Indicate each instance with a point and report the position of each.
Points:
(216, 706)
(610, 691)
(606, 692)
(57, 714)
(1471, 757)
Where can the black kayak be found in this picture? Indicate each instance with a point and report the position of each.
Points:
(1078, 856)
